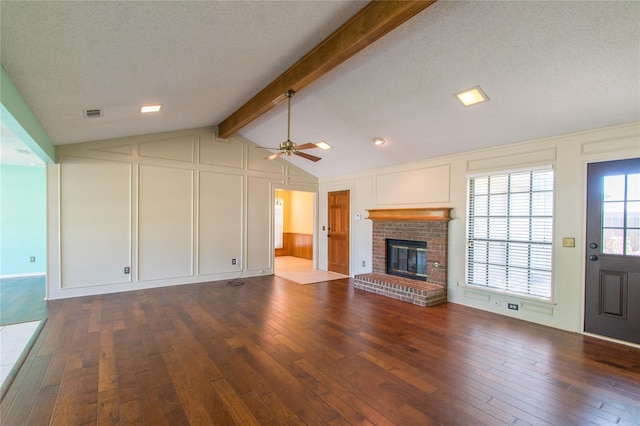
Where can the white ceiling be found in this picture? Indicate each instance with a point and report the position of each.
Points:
(548, 68)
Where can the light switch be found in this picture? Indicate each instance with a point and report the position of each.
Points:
(568, 242)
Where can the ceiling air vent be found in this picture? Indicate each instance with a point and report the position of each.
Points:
(93, 113)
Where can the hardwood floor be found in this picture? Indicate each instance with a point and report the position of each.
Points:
(274, 352)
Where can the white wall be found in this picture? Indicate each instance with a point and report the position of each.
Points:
(175, 208)
(442, 182)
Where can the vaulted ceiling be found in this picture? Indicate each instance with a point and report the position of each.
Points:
(548, 68)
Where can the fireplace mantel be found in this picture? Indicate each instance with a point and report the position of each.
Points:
(415, 214)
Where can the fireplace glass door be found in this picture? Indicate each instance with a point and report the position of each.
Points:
(406, 258)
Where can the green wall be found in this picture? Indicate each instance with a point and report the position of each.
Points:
(23, 220)
(17, 116)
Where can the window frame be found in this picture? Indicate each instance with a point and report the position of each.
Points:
(469, 240)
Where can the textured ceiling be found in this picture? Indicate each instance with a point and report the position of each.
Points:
(548, 67)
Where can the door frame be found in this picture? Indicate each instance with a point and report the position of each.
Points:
(272, 198)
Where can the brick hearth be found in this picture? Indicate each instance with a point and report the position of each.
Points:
(419, 293)
(430, 225)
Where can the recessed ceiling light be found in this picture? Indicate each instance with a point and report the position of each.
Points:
(379, 141)
(472, 96)
(323, 145)
(150, 108)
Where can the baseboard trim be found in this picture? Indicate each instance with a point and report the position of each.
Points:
(35, 274)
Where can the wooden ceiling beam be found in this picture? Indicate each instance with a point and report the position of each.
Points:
(375, 20)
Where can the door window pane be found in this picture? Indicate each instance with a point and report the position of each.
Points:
(633, 187)
(633, 214)
(614, 188)
(633, 242)
(613, 214)
(612, 241)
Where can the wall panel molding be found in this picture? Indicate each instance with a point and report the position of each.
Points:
(188, 211)
(426, 185)
(512, 161)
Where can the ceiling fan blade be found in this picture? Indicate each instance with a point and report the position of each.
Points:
(274, 156)
(306, 146)
(308, 156)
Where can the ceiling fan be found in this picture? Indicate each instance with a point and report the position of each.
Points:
(287, 147)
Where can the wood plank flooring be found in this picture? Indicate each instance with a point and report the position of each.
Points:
(274, 352)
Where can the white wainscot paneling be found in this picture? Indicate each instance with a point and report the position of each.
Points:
(259, 241)
(126, 149)
(174, 149)
(258, 163)
(165, 222)
(225, 152)
(95, 222)
(220, 223)
(419, 186)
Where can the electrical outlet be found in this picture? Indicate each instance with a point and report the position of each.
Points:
(364, 263)
(233, 261)
(127, 270)
(32, 259)
(513, 306)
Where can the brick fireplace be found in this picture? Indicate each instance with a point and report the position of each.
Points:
(425, 225)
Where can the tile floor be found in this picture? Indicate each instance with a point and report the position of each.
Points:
(13, 341)
(301, 271)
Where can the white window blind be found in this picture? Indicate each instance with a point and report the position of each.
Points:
(510, 232)
(278, 224)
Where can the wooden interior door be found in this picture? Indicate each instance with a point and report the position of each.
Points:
(612, 280)
(338, 232)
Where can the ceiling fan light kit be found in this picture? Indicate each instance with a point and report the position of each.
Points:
(288, 147)
(323, 145)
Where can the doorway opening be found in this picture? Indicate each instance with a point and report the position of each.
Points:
(23, 308)
(294, 237)
(293, 223)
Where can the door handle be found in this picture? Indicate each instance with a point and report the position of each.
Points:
(593, 257)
